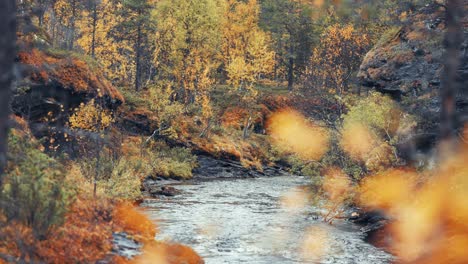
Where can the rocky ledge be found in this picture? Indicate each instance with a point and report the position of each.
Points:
(212, 168)
(407, 64)
(209, 168)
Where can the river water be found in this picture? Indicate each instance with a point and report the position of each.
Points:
(246, 221)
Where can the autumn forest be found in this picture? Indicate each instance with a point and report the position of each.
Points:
(233, 131)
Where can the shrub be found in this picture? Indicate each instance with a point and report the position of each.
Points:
(124, 182)
(127, 218)
(170, 162)
(372, 128)
(91, 117)
(85, 237)
(33, 193)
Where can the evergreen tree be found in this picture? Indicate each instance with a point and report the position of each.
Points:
(136, 26)
(290, 24)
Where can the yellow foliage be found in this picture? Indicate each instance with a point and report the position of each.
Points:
(245, 47)
(187, 44)
(91, 117)
(358, 141)
(336, 58)
(108, 52)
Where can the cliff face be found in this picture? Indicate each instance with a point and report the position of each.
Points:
(54, 84)
(408, 62)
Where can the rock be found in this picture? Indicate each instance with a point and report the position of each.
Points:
(373, 225)
(407, 64)
(125, 246)
(158, 190)
(166, 191)
(212, 168)
(138, 122)
(122, 245)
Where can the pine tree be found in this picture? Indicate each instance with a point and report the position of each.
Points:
(290, 25)
(135, 27)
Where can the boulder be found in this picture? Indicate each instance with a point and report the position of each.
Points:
(168, 191)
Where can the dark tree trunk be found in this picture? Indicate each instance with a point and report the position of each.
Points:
(452, 42)
(41, 12)
(291, 69)
(72, 25)
(7, 59)
(93, 41)
(138, 54)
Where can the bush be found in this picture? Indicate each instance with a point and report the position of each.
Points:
(124, 182)
(85, 237)
(128, 219)
(33, 193)
(372, 128)
(170, 162)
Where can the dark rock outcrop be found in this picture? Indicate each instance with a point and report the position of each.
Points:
(54, 84)
(212, 168)
(407, 64)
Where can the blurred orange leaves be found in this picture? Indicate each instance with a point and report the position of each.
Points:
(291, 131)
(430, 210)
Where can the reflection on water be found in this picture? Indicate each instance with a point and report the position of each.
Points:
(245, 221)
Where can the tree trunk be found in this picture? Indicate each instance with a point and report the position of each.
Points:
(93, 41)
(452, 42)
(291, 69)
(7, 58)
(138, 55)
(72, 25)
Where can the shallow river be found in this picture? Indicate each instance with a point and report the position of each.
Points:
(245, 221)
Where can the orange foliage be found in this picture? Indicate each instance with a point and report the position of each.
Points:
(19, 126)
(14, 239)
(431, 212)
(74, 74)
(85, 236)
(358, 141)
(292, 131)
(129, 219)
(162, 253)
(176, 253)
(234, 117)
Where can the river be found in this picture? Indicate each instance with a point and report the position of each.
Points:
(245, 221)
